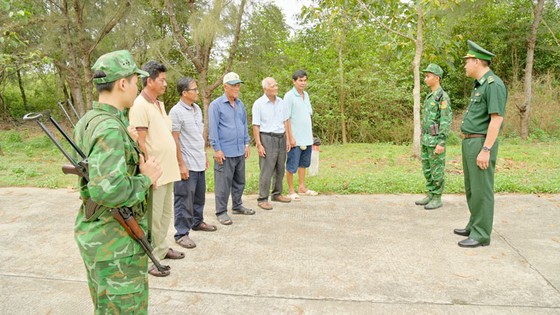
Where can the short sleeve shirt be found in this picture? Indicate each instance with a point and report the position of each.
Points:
(488, 96)
(269, 116)
(300, 111)
(159, 141)
(187, 120)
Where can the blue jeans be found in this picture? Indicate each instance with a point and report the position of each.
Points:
(190, 196)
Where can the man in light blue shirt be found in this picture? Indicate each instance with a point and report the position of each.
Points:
(301, 138)
(270, 126)
(190, 191)
(229, 137)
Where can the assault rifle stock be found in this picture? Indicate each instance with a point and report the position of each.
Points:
(123, 215)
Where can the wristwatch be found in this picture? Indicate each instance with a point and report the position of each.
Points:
(486, 149)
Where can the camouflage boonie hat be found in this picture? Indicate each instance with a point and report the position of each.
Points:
(435, 69)
(475, 51)
(116, 65)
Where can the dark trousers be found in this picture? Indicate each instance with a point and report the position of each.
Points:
(479, 189)
(190, 196)
(229, 178)
(272, 165)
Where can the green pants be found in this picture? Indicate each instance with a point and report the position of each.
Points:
(433, 168)
(479, 188)
(119, 286)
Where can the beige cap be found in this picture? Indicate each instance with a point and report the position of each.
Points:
(232, 78)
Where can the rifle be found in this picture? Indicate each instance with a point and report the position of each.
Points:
(61, 104)
(123, 215)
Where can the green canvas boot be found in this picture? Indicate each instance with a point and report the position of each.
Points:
(434, 203)
(423, 202)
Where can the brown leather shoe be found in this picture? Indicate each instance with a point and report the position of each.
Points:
(265, 205)
(205, 227)
(281, 198)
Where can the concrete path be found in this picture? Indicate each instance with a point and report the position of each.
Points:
(330, 254)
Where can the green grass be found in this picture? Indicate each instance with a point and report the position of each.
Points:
(524, 167)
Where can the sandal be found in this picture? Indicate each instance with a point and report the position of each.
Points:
(174, 254)
(186, 242)
(224, 219)
(243, 210)
(310, 192)
(205, 227)
(294, 197)
(156, 273)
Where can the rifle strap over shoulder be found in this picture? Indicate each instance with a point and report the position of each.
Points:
(93, 210)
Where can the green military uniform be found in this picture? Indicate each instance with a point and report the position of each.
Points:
(488, 96)
(116, 264)
(436, 121)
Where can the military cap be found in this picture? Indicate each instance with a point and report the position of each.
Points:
(475, 51)
(116, 65)
(435, 69)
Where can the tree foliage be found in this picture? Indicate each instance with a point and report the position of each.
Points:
(358, 53)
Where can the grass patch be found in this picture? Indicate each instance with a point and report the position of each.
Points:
(30, 159)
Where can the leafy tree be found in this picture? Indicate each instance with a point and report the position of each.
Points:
(197, 29)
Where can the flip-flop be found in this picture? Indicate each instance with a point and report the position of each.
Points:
(294, 197)
(310, 192)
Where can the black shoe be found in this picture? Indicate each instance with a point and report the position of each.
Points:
(462, 232)
(469, 242)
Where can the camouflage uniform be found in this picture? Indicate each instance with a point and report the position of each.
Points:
(436, 111)
(115, 263)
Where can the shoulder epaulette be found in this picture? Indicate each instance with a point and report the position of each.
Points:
(490, 79)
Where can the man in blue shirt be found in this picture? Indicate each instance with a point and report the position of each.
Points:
(229, 137)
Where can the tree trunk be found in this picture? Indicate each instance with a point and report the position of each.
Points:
(22, 90)
(199, 54)
(206, 94)
(5, 114)
(525, 109)
(341, 86)
(416, 91)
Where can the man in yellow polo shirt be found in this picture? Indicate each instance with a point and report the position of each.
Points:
(155, 140)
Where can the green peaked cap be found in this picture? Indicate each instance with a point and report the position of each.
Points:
(475, 51)
(117, 64)
(435, 69)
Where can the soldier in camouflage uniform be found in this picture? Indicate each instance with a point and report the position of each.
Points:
(115, 263)
(436, 120)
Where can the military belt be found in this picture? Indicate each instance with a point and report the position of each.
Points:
(473, 135)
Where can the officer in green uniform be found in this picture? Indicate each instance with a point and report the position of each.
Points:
(481, 125)
(436, 120)
(115, 263)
